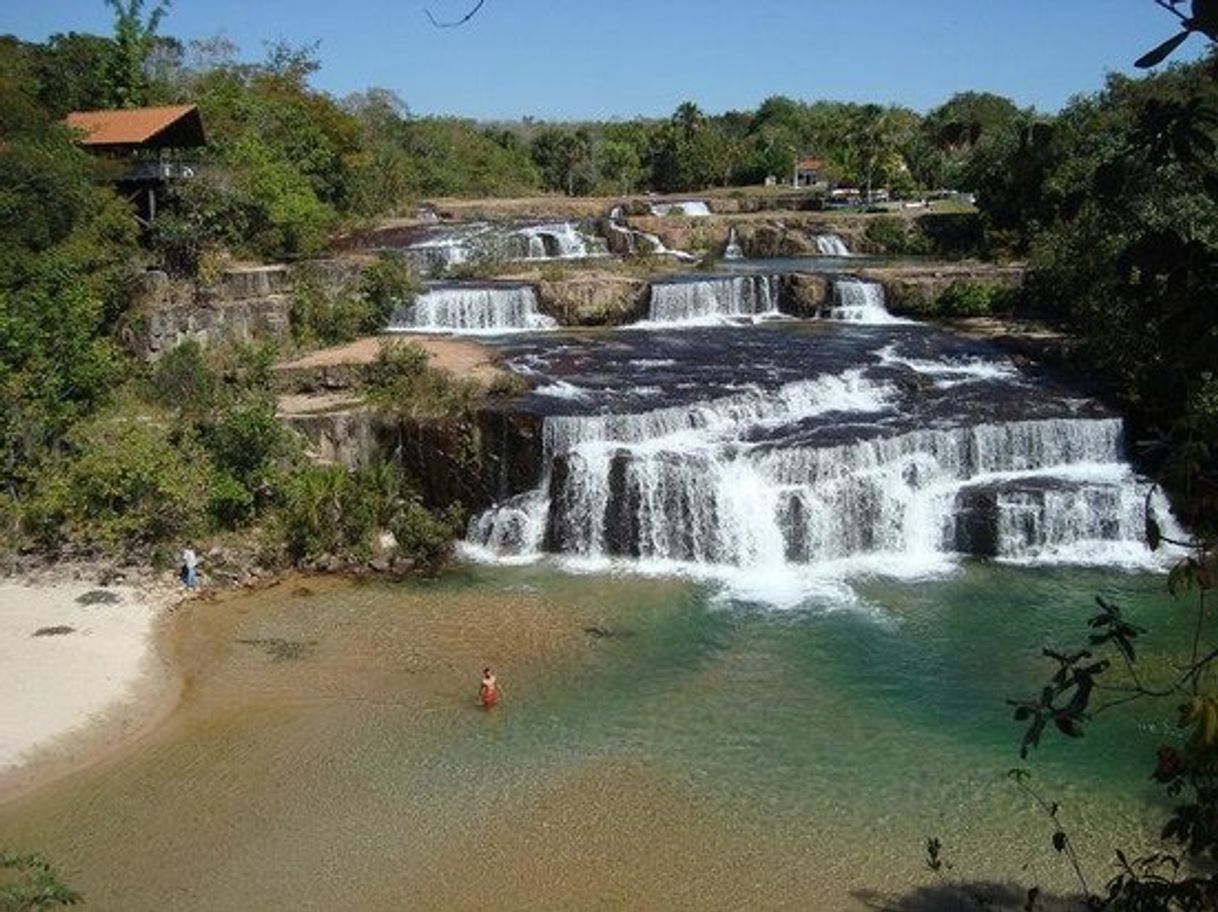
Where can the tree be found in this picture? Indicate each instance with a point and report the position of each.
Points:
(125, 76)
(564, 158)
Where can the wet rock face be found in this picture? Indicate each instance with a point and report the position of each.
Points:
(977, 522)
(471, 461)
(474, 462)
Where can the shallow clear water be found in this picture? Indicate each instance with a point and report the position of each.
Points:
(659, 746)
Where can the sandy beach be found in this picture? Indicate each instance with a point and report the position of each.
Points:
(79, 673)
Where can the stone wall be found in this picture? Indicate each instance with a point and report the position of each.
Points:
(246, 304)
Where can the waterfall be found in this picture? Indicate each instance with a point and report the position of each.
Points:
(859, 302)
(558, 241)
(733, 251)
(462, 244)
(472, 309)
(682, 486)
(437, 256)
(831, 245)
(703, 301)
(688, 208)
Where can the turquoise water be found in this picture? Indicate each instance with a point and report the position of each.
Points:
(658, 747)
(762, 700)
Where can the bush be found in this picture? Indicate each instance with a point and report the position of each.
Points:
(402, 382)
(130, 481)
(332, 510)
(183, 379)
(954, 234)
(896, 236)
(386, 284)
(425, 536)
(229, 502)
(28, 883)
(325, 319)
(246, 439)
(975, 299)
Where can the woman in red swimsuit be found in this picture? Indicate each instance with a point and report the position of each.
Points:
(488, 693)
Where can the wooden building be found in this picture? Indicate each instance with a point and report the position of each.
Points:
(809, 172)
(147, 145)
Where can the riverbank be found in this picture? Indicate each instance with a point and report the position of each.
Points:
(80, 673)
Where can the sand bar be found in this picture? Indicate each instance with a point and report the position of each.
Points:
(78, 673)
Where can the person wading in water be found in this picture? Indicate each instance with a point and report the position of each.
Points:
(488, 693)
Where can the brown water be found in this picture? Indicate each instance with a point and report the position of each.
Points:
(654, 751)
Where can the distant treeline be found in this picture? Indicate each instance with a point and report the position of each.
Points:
(289, 163)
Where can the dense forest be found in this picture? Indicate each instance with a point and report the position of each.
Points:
(1111, 202)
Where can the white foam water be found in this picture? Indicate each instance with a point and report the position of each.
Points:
(733, 250)
(696, 489)
(472, 310)
(831, 245)
(950, 373)
(688, 208)
(711, 301)
(860, 302)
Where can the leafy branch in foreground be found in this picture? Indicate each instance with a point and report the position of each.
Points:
(28, 883)
(1180, 880)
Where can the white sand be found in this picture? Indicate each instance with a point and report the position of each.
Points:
(61, 685)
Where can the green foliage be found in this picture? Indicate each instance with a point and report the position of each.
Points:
(183, 379)
(28, 883)
(328, 316)
(124, 74)
(564, 158)
(387, 284)
(975, 299)
(246, 440)
(426, 536)
(895, 236)
(128, 480)
(64, 246)
(287, 219)
(402, 382)
(330, 510)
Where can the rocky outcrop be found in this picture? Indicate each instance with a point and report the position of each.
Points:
(471, 460)
(594, 299)
(760, 236)
(244, 305)
(805, 294)
(343, 434)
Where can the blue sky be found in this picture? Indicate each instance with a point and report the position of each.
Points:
(568, 59)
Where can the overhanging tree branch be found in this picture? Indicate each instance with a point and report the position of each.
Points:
(456, 22)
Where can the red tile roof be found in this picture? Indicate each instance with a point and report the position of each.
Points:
(811, 164)
(136, 126)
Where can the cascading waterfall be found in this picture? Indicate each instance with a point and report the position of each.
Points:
(733, 250)
(559, 241)
(714, 299)
(831, 245)
(684, 486)
(688, 208)
(462, 244)
(472, 309)
(859, 302)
